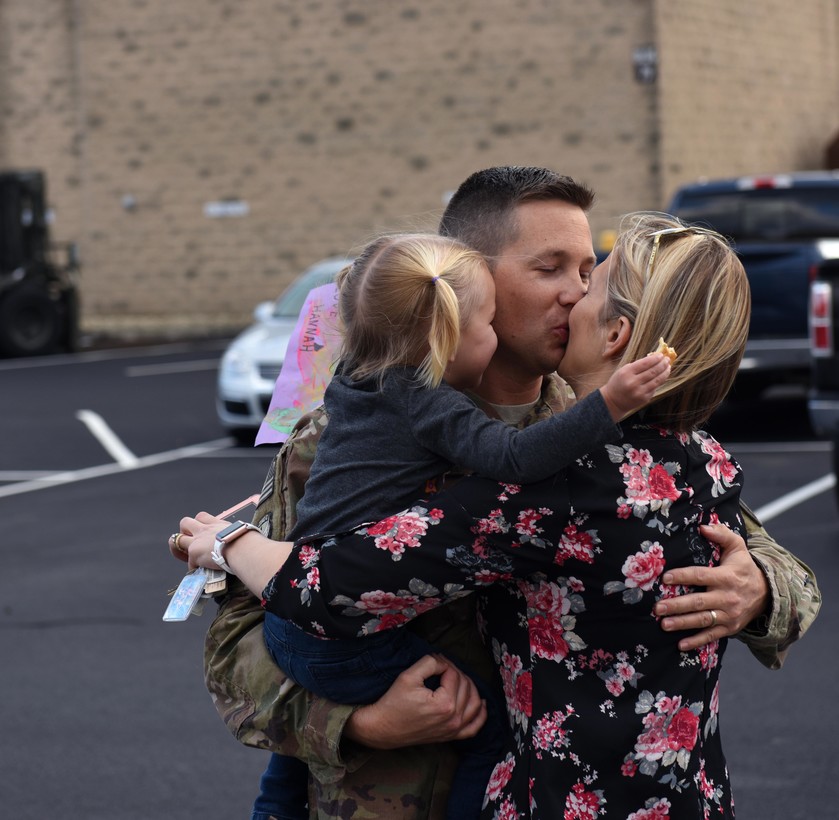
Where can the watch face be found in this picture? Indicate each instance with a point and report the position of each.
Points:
(229, 530)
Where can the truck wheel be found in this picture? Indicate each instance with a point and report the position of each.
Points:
(244, 437)
(30, 323)
(70, 328)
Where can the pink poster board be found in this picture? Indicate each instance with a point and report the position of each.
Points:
(308, 365)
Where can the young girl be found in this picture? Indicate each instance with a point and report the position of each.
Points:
(417, 315)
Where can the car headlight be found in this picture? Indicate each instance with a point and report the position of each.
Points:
(235, 364)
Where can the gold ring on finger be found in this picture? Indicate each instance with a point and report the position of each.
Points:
(713, 614)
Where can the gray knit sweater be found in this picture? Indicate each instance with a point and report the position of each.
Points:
(382, 443)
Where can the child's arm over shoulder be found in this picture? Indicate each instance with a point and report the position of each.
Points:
(448, 423)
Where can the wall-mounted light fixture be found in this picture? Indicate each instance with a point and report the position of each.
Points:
(645, 61)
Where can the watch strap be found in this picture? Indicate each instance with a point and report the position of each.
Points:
(225, 537)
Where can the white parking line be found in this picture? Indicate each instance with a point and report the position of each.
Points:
(72, 476)
(107, 438)
(786, 502)
(64, 359)
(24, 475)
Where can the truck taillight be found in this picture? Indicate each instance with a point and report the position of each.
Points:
(757, 183)
(821, 319)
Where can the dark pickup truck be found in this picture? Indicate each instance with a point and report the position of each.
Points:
(823, 401)
(785, 228)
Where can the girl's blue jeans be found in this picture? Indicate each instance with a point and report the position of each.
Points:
(361, 670)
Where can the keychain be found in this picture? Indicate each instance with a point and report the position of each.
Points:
(199, 584)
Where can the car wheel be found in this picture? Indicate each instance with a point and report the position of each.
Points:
(30, 322)
(244, 437)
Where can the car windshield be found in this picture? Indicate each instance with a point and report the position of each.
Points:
(290, 303)
(769, 214)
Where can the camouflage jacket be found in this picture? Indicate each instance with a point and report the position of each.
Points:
(263, 709)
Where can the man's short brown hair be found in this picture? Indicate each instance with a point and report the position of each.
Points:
(482, 212)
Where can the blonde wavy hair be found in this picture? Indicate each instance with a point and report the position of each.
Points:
(404, 301)
(685, 285)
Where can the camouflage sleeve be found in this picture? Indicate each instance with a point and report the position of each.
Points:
(258, 704)
(796, 598)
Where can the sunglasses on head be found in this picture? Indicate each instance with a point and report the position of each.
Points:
(656, 237)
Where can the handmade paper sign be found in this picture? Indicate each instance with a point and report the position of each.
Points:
(308, 365)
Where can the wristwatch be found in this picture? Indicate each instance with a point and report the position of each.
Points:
(224, 537)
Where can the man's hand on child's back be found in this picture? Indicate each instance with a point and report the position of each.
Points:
(411, 714)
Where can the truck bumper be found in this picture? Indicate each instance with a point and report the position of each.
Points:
(823, 409)
(764, 355)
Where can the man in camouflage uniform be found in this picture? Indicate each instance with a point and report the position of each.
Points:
(262, 708)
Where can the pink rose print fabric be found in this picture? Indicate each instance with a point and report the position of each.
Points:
(403, 531)
(607, 718)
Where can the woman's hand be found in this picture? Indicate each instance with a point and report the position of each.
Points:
(411, 714)
(736, 592)
(194, 540)
(199, 537)
(253, 558)
(176, 548)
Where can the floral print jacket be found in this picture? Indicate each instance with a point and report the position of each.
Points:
(606, 714)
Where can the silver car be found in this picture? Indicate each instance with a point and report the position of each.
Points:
(252, 362)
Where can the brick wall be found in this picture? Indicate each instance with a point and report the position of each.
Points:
(40, 116)
(746, 87)
(333, 121)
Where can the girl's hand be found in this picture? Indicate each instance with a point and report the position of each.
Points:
(633, 385)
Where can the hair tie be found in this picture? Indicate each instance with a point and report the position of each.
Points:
(434, 280)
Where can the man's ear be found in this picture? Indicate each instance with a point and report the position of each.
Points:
(617, 337)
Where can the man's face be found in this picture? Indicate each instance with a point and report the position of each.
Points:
(539, 277)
